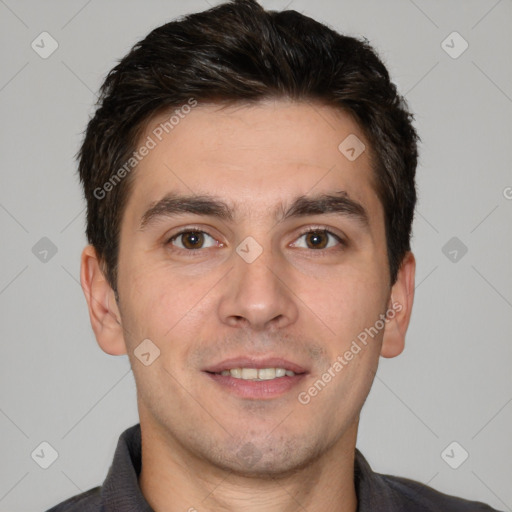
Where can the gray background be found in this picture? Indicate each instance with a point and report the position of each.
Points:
(452, 383)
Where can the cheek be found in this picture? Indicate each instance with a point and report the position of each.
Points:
(146, 299)
(346, 302)
(159, 302)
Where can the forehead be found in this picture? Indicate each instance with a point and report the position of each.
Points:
(254, 156)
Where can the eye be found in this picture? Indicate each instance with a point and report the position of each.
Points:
(318, 238)
(192, 240)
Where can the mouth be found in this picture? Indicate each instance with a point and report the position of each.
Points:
(257, 374)
(249, 377)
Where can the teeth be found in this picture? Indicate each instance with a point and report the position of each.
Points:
(249, 373)
(257, 374)
(267, 373)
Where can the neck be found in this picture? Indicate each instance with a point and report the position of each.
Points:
(172, 479)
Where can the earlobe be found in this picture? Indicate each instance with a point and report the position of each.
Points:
(103, 310)
(399, 308)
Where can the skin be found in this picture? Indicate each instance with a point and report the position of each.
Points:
(295, 300)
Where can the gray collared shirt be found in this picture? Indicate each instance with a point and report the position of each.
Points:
(120, 491)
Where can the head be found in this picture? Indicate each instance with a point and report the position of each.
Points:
(287, 156)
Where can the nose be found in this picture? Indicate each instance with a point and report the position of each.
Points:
(258, 294)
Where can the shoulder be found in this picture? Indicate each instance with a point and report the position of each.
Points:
(89, 501)
(427, 499)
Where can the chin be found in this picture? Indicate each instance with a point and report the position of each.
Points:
(262, 459)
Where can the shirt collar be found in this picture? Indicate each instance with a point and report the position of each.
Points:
(121, 492)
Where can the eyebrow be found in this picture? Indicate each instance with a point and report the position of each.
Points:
(173, 204)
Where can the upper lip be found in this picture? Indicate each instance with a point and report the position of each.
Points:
(255, 362)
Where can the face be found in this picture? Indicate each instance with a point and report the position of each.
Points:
(277, 259)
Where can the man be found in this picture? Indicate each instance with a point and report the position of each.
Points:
(249, 178)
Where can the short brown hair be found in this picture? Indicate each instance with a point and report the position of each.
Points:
(239, 52)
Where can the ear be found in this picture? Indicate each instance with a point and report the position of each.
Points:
(103, 310)
(400, 303)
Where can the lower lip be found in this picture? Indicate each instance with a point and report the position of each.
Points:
(258, 390)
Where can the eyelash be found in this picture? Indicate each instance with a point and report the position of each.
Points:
(313, 229)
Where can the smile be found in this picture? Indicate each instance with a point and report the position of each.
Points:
(257, 374)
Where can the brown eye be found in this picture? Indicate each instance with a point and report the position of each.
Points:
(318, 239)
(191, 240)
